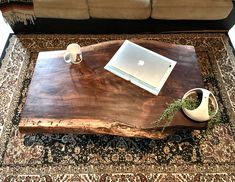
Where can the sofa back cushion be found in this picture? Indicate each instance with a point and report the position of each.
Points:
(191, 9)
(120, 9)
(69, 9)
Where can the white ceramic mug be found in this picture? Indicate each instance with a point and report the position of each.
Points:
(73, 54)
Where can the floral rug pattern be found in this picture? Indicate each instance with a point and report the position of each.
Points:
(184, 156)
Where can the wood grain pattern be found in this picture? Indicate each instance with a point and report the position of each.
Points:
(85, 98)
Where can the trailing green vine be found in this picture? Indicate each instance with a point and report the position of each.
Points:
(217, 119)
(188, 103)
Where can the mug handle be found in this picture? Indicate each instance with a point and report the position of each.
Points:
(67, 57)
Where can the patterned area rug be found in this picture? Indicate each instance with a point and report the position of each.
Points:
(184, 156)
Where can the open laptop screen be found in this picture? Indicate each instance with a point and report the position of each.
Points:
(144, 68)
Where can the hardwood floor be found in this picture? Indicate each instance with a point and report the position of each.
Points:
(231, 34)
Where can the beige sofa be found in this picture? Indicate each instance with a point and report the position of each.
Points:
(134, 9)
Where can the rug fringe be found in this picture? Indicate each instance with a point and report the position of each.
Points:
(12, 17)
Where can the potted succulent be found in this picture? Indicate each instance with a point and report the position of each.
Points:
(205, 105)
(198, 104)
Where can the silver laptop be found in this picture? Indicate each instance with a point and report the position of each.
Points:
(144, 68)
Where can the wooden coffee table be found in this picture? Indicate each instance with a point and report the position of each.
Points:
(85, 98)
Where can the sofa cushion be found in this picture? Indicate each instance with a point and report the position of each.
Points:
(69, 9)
(120, 9)
(191, 9)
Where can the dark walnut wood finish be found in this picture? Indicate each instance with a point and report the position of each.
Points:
(85, 98)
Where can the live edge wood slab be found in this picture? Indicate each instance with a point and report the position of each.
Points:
(85, 98)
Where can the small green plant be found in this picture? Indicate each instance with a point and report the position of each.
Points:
(213, 122)
(188, 103)
(174, 107)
